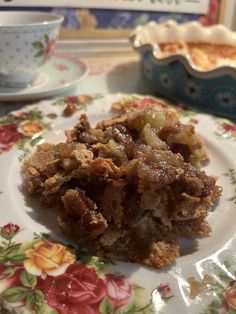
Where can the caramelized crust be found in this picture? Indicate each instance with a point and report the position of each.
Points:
(127, 188)
(205, 56)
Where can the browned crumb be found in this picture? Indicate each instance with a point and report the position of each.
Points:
(197, 287)
(129, 187)
(69, 110)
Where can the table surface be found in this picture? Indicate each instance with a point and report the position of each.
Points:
(113, 68)
(110, 72)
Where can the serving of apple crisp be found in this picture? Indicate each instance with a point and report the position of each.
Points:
(128, 188)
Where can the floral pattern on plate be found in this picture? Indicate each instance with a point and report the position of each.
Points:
(80, 101)
(124, 288)
(226, 129)
(149, 102)
(44, 276)
(231, 174)
(22, 128)
(223, 287)
(225, 301)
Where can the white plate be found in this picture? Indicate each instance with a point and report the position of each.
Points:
(61, 73)
(45, 281)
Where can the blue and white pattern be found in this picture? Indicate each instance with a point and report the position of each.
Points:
(226, 98)
(166, 80)
(192, 89)
(148, 69)
(216, 95)
(24, 50)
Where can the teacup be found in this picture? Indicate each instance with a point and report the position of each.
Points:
(27, 41)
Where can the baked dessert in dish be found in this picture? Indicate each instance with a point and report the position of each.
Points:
(192, 64)
(204, 56)
(129, 187)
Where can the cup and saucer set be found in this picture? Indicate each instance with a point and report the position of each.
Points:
(29, 66)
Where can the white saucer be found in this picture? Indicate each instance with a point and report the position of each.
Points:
(61, 73)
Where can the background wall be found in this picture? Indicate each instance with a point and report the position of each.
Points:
(112, 23)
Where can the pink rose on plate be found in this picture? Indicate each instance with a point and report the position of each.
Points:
(5, 147)
(11, 228)
(230, 295)
(78, 290)
(148, 102)
(9, 231)
(119, 290)
(52, 115)
(164, 291)
(72, 99)
(229, 127)
(21, 115)
(8, 135)
(49, 49)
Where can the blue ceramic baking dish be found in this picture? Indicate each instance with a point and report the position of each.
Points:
(176, 77)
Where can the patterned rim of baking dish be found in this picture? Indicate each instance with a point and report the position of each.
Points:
(147, 38)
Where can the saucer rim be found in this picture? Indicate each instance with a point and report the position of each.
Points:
(57, 90)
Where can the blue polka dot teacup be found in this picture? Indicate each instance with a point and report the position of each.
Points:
(27, 40)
